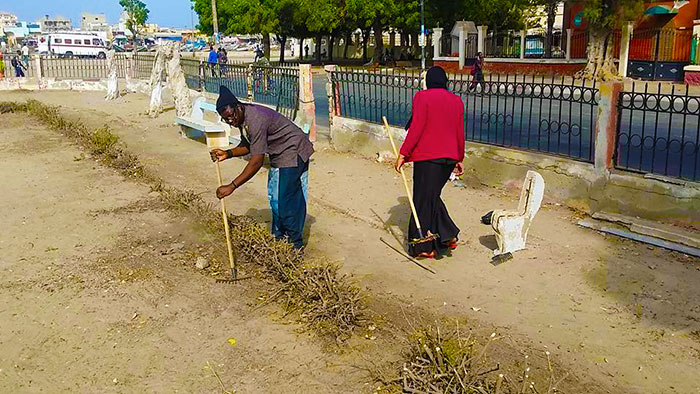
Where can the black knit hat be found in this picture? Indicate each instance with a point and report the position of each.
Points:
(225, 98)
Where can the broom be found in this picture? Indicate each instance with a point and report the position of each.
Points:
(421, 238)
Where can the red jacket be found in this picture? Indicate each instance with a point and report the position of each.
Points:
(437, 127)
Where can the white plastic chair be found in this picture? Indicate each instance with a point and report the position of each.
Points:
(511, 227)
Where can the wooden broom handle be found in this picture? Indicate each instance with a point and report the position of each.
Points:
(231, 261)
(405, 181)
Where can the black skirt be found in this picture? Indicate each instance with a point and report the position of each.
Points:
(429, 177)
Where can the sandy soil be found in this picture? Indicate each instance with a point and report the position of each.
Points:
(99, 292)
(614, 313)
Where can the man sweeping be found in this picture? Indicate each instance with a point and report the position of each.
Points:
(266, 132)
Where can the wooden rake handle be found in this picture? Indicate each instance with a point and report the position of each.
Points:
(231, 260)
(405, 181)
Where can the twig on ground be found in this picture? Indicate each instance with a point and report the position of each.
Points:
(411, 259)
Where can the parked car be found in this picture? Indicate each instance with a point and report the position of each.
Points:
(71, 44)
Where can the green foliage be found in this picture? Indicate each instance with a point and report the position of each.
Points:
(137, 14)
(606, 15)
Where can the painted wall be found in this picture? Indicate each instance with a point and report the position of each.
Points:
(520, 68)
(682, 20)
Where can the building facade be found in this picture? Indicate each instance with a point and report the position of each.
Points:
(7, 19)
(93, 22)
(57, 23)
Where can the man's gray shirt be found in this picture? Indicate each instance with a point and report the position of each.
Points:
(270, 133)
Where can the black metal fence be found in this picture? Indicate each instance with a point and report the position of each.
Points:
(274, 86)
(550, 115)
(277, 86)
(659, 133)
(190, 67)
(503, 44)
(508, 45)
(233, 76)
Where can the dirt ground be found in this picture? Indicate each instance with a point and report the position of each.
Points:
(100, 293)
(618, 314)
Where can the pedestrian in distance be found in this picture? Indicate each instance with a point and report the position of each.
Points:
(213, 60)
(477, 71)
(266, 132)
(435, 145)
(223, 60)
(25, 55)
(18, 66)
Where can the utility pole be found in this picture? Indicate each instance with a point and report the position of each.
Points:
(422, 37)
(214, 18)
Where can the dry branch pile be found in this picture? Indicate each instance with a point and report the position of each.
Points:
(327, 300)
(445, 361)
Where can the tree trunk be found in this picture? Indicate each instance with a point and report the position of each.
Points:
(283, 41)
(551, 14)
(301, 49)
(415, 49)
(378, 41)
(331, 45)
(319, 38)
(365, 38)
(347, 42)
(601, 61)
(266, 45)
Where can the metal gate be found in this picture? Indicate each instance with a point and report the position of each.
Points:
(659, 55)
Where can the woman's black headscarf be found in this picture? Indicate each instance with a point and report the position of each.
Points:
(435, 78)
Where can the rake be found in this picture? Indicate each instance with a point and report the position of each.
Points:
(231, 258)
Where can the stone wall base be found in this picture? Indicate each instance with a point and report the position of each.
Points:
(517, 67)
(576, 184)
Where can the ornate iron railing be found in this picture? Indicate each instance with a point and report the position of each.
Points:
(549, 115)
(274, 86)
(504, 44)
(658, 132)
(277, 86)
(233, 76)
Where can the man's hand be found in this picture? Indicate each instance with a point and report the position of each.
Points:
(459, 169)
(225, 190)
(218, 155)
(399, 163)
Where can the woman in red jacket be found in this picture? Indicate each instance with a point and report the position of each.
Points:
(435, 143)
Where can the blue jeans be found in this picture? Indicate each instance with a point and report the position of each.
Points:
(287, 192)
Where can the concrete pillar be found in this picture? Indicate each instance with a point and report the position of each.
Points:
(37, 66)
(462, 49)
(481, 38)
(437, 42)
(625, 39)
(307, 108)
(523, 33)
(695, 43)
(201, 75)
(333, 95)
(569, 33)
(250, 79)
(606, 126)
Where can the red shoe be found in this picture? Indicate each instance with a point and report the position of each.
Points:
(453, 244)
(426, 255)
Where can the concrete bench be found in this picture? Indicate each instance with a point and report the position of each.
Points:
(218, 133)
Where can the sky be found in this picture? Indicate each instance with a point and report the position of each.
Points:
(166, 13)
